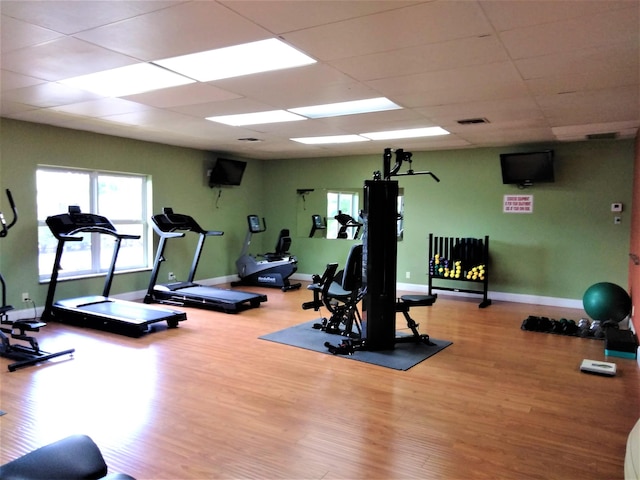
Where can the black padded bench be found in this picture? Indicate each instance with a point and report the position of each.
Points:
(73, 458)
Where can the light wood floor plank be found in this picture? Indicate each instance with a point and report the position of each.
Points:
(211, 400)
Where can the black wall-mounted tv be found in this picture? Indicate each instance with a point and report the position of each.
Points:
(526, 168)
(227, 172)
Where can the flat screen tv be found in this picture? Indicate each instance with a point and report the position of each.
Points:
(526, 168)
(227, 172)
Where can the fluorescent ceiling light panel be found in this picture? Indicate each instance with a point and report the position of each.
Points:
(410, 133)
(129, 80)
(272, 116)
(379, 104)
(245, 59)
(330, 139)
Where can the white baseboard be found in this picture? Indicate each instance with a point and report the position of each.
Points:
(410, 287)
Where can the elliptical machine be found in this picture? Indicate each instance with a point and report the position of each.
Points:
(276, 268)
(16, 329)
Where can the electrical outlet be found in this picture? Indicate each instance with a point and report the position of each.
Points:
(26, 297)
(408, 274)
(171, 276)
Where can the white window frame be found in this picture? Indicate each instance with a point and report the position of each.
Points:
(46, 253)
(353, 200)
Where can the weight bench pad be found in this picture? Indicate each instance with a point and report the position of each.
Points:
(418, 300)
(73, 458)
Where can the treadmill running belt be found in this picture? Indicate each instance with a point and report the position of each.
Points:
(218, 294)
(127, 312)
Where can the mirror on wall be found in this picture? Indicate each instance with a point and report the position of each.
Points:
(335, 213)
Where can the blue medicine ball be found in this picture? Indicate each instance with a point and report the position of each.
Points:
(606, 301)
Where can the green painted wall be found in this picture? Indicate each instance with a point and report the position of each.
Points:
(565, 245)
(568, 243)
(179, 181)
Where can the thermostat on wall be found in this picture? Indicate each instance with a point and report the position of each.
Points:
(599, 368)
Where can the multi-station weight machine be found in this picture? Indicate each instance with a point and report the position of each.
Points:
(25, 354)
(379, 264)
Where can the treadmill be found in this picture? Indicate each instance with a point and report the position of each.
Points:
(99, 311)
(174, 225)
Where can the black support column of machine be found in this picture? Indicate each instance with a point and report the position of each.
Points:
(379, 264)
(174, 225)
(99, 311)
(25, 355)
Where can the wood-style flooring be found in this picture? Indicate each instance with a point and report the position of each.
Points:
(211, 400)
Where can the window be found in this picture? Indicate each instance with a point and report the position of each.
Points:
(122, 198)
(346, 203)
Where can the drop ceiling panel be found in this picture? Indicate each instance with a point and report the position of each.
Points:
(466, 80)
(43, 60)
(421, 24)
(46, 95)
(12, 81)
(510, 109)
(515, 15)
(185, 28)
(597, 62)
(539, 70)
(616, 76)
(288, 16)
(297, 87)
(101, 108)
(424, 58)
(600, 106)
(73, 16)
(15, 34)
(191, 94)
(614, 27)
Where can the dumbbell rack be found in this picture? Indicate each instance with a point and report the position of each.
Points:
(472, 252)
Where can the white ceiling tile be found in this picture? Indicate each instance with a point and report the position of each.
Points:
(287, 16)
(10, 80)
(424, 58)
(71, 16)
(184, 28)
(15, 34)
(510, 15)
(595, 62)
(600, 106)
(43, 60)
(300, 87)
(606, 28)
(466, 80)
(441, 60)
(191, 94)
(47, 95)
(102, 107)
(421, 24)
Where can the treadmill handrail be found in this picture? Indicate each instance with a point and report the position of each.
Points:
(168, 222)
(106, 231)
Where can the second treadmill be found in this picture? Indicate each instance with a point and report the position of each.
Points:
(174, 225)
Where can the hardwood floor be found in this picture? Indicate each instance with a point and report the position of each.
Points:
(211, 400)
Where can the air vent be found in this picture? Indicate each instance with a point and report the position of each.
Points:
(472, 121)
(603, 136)
(249, 139)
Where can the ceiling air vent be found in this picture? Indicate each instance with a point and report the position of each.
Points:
(249, 139)
(603, 136)
(472, 121)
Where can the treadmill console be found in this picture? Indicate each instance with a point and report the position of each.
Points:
(75, 221)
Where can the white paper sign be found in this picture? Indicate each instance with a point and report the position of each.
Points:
(517, 204)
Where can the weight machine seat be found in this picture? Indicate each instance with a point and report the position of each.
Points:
(73, 458)
(282, 247)
(418, 300)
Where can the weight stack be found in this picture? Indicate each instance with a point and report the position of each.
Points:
(379, 263)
